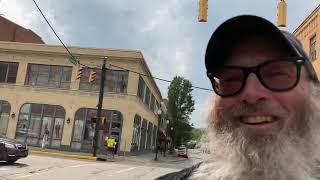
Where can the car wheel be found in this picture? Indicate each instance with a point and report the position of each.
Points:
(11, 161)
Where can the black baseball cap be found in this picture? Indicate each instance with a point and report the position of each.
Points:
(243, 26)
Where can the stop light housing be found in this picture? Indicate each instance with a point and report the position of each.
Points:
(92, 76)
(203, 10)
(79, 71)
(282, 13)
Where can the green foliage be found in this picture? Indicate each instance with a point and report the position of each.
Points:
(197, 134)
(181, 105)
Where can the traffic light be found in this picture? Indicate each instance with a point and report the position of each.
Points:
(282, 13)
(92, 76)
(79, 71)
(203, 10)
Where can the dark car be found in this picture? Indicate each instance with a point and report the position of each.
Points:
(11, 150)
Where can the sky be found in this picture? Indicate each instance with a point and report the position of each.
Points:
(167, 32)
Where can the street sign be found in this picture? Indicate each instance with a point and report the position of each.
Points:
(73, 60)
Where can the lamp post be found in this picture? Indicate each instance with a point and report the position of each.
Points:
(159, 113)
(166, 143)
(171, 144)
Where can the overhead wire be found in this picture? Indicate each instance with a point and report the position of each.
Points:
(72, 56)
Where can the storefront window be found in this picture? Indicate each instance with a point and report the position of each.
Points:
(35, 118)
(84, 128)
(143, 134)
(4, 116)
(136, 133)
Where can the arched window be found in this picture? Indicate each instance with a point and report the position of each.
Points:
(34, 118)
(136, 133)
(5, 109)
(84, 128)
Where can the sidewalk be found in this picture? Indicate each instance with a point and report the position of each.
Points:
(68, 154)
(143, 158)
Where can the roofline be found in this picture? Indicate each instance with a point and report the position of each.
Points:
(152, 79)
(77, 51)
(308, 18)
(23, 28)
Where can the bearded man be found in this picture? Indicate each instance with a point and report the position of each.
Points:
(264, 123)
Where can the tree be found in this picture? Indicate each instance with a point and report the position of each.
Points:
(181, 105)
(197, 134)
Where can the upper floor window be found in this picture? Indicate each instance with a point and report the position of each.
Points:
(8, 72)
(116, 81)
(49, 76)
(141, 87)
(147, 98)
(313, 48)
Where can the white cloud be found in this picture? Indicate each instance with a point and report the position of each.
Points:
(200, 114)
(60, 29)
(17, 13)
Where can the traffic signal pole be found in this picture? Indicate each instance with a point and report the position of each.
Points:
(96, 134)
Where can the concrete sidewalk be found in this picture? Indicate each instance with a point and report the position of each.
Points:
(68, 154)
(143, 158)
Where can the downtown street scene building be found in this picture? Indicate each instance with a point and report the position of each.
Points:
(308, 33)
(39, 90)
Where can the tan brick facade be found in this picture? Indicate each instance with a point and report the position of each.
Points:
(308, 32)
(72, 99)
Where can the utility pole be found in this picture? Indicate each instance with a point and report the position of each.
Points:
(159, 113)
(97, 129)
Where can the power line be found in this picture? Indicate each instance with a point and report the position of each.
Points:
(196, 87)
(52, 29)
(160, 79)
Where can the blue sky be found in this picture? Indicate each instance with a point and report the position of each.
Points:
(165, 31)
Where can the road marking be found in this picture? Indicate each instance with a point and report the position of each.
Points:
(82, 165)
(4, 169)
(123, 170)
(24, 176)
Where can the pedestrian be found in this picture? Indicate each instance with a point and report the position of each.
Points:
(45, 137)
(111, 145)
(116, 146)
(264, 120)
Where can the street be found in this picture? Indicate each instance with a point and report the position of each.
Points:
(38, 167)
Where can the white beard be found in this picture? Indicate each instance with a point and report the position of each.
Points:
(286, 157)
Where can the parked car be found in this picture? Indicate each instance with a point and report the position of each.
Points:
(182, 151)
(11, 150)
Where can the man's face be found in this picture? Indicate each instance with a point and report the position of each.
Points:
(256, 110)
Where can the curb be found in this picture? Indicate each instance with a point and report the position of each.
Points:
(67, 155)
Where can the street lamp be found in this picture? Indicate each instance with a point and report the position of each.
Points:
(159, 113)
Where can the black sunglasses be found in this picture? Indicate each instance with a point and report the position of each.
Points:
(281, 74)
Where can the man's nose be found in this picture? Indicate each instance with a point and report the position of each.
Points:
(253, 91)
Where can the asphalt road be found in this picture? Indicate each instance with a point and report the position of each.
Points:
(38, 167)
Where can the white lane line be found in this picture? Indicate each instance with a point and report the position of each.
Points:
(82, 165)
(4, 169)
(123, 170)
(24, 176)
